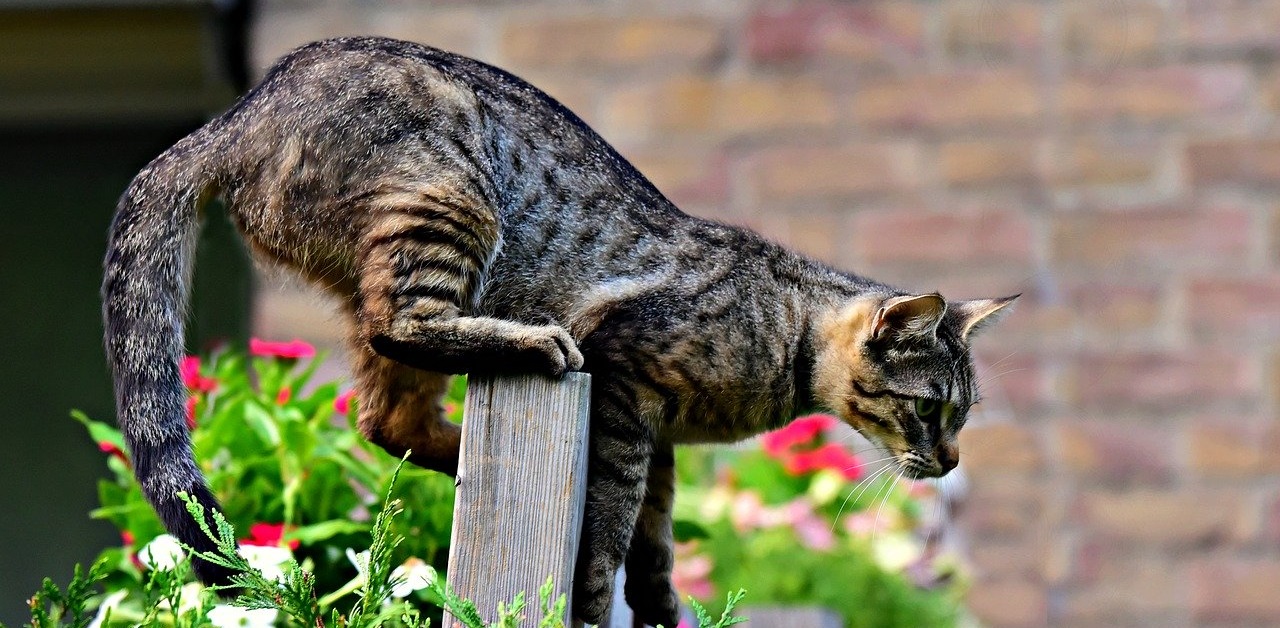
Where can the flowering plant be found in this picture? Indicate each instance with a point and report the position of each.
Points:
(801, 519)
(288, 466)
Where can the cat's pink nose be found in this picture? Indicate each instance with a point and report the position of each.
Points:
(948, 455)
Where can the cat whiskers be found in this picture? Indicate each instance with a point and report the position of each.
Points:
(896, 467)
(865, 483)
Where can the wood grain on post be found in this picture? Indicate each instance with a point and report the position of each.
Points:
(521, 488)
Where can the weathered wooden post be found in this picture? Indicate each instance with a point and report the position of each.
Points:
(521, 488)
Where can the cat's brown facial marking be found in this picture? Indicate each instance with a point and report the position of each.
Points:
(898, 370)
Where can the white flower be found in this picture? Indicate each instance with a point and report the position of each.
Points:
(412, 576)
(893, 552)
(361, 561)
(163, 553)
(270, 560)
(109, 604)
(826, 486)
(227, 616)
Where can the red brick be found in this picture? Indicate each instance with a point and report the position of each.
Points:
(815, 232)
(998, 559)
(685, 176)
(1106, 310)
(1240, 311)
(1161, 382)
(906, 236)
(1153, 238)
(948, 101)
(984, 162)
(1165, 518)
(605, 44)
(1115, 452)
(865, 33)
(734, 106)
(1232, 448)
(1116, 587)
(1156, 95)
(1236, 590)
(1229, 26)
(993, 32)
(1002, 447)
(1102, 160)
(1015, 383)
(1107, 34)
(831, 172)
(1248, 162)
(1009, 602)
(1003, 505)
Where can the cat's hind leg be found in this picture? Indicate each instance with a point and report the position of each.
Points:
(617, 467)
(422, 260)
(399, 409)
(649, 560)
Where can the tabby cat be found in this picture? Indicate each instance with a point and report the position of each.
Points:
(468, 222)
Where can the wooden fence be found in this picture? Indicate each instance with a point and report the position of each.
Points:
(521, 489)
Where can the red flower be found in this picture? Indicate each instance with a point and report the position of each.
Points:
(343, 403)
(112, 449)
(829, 456)
(283, 396)
(291, 350)
(268, 535)
(779, 443)
(191, 411)
(190, 369)
(126, 537)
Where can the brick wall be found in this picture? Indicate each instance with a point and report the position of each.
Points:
(1118, 161)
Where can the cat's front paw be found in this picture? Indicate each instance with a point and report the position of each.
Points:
(653, 601)
(556, 348)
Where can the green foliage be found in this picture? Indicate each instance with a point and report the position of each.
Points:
(276, 450)
(50, 606)
(800, 522)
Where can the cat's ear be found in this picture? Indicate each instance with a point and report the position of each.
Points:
(907, 316)
(979, 314)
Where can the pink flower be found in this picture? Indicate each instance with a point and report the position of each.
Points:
(747, 511)
(283, 396)
(191, 411)
(343, 403)
(779, 443)
(113, 450)
(814, 533)
(690, 575)
(190, 369)
(268, 535)
(291, 350)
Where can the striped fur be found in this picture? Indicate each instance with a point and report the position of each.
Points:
(470, 223)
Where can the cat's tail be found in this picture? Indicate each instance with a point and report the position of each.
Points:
(144, 299)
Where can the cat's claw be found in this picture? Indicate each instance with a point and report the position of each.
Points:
(559, 348)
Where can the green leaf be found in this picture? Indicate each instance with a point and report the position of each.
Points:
(316, 532)
(261, 422)
(684, 530)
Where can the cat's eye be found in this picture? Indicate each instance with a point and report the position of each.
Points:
(932, 409)
(926, 408)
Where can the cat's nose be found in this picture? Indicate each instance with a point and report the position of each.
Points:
(948, 455)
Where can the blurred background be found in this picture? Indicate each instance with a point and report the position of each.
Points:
(1116, 161)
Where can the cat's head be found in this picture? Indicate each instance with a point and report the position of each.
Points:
(898, 369)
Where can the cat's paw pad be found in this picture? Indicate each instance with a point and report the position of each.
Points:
(557, 347)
